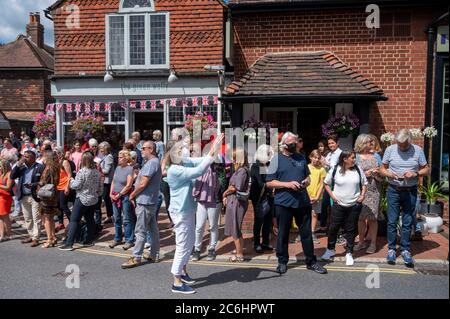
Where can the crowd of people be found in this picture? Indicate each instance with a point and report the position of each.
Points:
(336, 194)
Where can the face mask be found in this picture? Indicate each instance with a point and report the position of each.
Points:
(291, 148)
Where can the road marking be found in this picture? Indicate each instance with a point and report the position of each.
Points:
(253, 265)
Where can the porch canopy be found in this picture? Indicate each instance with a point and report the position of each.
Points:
(312, 76)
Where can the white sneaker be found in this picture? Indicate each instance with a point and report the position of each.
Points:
(147, 245)
(349, 259)
(329, 254)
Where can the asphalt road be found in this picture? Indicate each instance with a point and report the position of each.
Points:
(27, 272)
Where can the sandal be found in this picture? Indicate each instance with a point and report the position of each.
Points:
(236, 259)
(372, 249)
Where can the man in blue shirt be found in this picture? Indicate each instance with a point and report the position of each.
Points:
(403, 163)
(28, 171)
(292, 201)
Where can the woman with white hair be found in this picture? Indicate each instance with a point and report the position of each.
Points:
(368, 218)
(262, 199)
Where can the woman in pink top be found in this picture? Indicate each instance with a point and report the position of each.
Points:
(76, 155)
(8, 151)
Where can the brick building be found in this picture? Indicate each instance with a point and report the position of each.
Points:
(298, 62)
(137, 45)
(25, 67)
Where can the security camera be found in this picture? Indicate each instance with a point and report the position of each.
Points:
(214, 68)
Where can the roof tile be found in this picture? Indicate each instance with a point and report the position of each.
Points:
(296, 73)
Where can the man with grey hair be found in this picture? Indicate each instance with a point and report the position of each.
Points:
(145, 197)
(402, 165)
(136, 136)
(292, 201)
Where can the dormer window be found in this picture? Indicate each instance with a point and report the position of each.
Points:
(137, 37)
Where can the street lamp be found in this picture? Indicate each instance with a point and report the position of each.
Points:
(173, 76)
(109, 75)
(220, 69)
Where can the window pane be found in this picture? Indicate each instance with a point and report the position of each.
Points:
(116, 40)
(137, 40)
(136, 3)
(158, 39)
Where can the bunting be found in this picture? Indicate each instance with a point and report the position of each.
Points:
(153, 104)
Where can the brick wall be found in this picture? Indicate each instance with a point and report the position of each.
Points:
(196, 35)
(23, 90)
(396, 64)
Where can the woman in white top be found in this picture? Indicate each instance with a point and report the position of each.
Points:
(346, 185)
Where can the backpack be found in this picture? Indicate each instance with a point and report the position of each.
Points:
(334, 174)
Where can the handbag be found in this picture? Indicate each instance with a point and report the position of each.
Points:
(242, 196)
(47, 191)
(263, 205)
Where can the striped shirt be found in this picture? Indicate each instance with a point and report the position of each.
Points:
(401, 162)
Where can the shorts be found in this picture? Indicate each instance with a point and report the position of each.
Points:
(317, 207)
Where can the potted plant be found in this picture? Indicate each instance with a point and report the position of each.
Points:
(432, 192)
(88, 126)
(342, 125)
(382, 217)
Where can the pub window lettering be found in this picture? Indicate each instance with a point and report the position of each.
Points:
(137, 37)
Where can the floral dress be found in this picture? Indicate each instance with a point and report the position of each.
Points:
(371, 203)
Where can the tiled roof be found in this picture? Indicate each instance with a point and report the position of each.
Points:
(320, 74)
(24, 53)
(196, 35)
(21, 115)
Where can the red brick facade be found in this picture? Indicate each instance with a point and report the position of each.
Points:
(396, 64)
(196, 35)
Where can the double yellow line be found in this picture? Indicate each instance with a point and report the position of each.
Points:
(259, 265)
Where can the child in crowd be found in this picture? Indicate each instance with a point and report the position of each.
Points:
(315, 189)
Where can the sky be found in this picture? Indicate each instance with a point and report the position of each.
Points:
(14, 16)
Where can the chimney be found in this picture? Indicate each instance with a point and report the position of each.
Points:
(35, 30)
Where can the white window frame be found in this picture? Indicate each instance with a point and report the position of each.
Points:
(127, 65)
(143, 9)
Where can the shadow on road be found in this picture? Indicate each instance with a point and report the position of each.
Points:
(243, 275)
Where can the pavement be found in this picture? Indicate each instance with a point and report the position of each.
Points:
(433, 249)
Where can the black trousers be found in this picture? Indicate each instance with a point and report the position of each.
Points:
(346, 217)
(79, 211)
(323, 218)
(261, 223)
(107, 199)
(302, 217)
(166, 193)
(64, 209)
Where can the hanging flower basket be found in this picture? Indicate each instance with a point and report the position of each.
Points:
(342, 125)
(255, 124)
(44, 125)
(199, 120)
(88, 126)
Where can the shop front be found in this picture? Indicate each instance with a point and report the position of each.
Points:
(133, 104)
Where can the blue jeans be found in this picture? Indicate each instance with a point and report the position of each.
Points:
(128, 221)
(79, 211)
(397, 201)
(158, 207)
(415, 225)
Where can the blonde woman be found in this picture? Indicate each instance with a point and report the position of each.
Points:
(368, 219)
(236, 205)
(6, 198)
(121, 187)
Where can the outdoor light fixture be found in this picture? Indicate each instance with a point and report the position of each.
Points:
(172, 77)
(109, 75)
